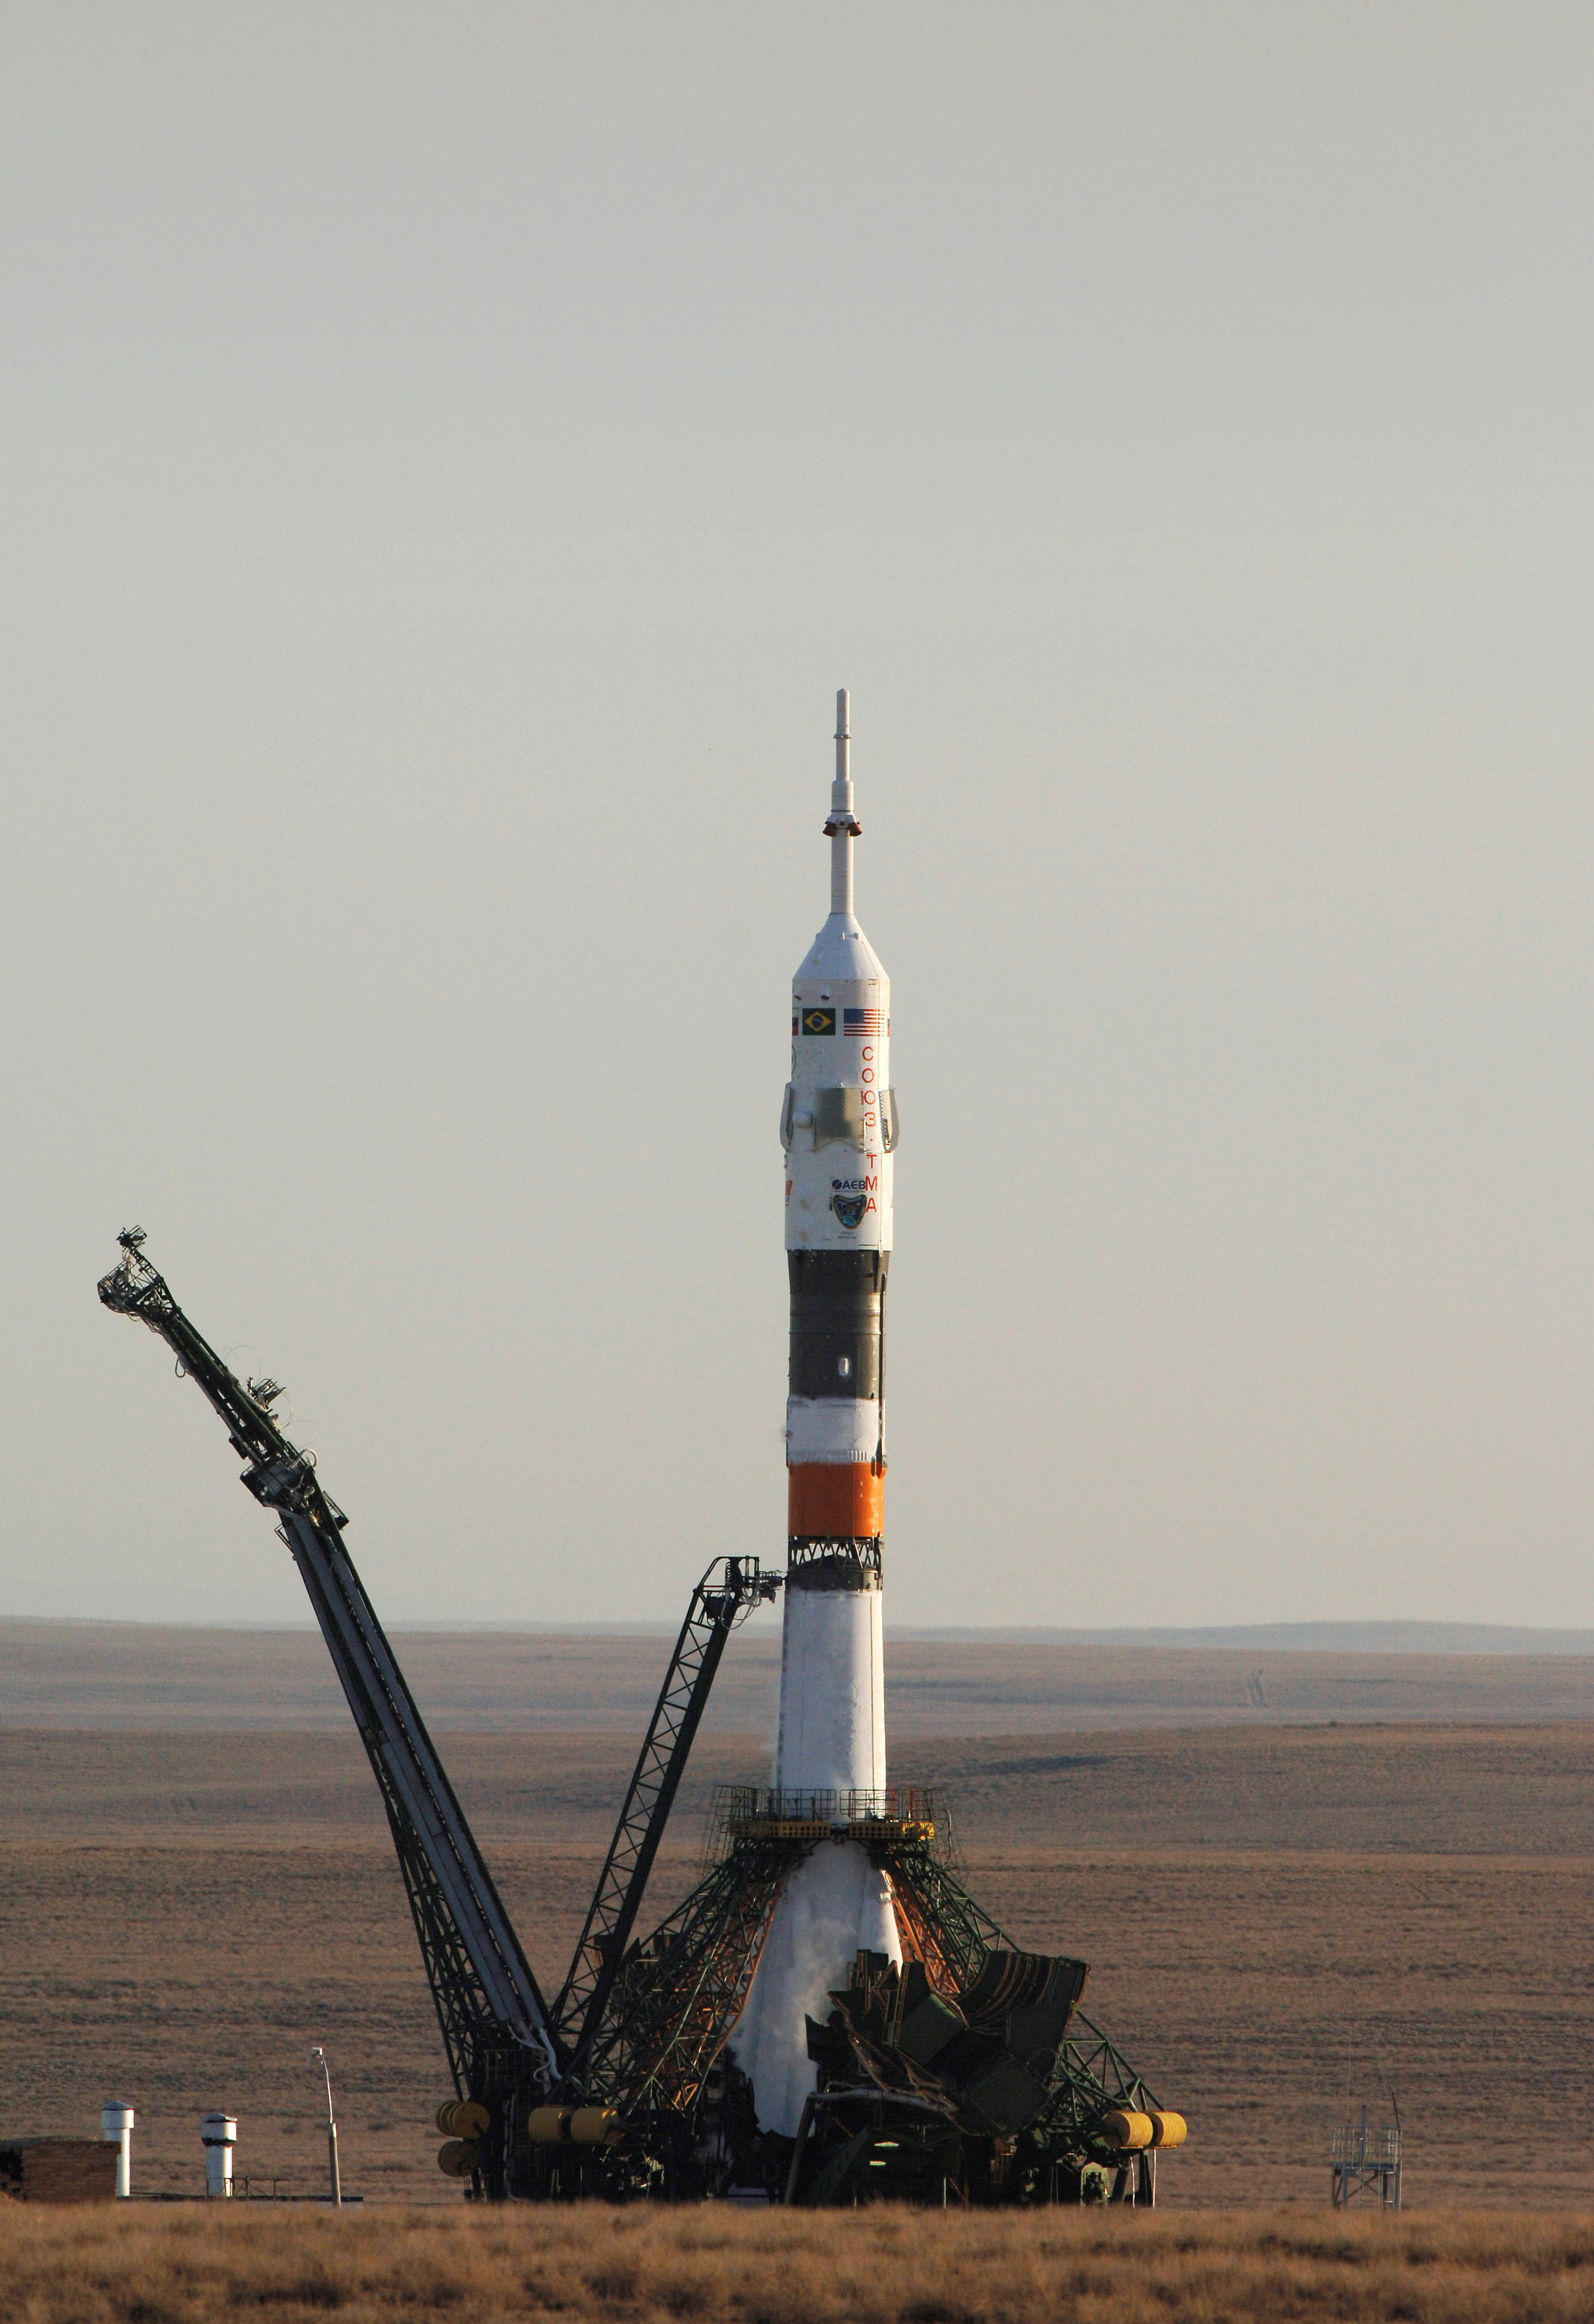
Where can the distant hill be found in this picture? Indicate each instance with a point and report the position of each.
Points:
(1299, 1638)
(123, 1675)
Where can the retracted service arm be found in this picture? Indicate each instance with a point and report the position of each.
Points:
(493, 2018)
(726, 1596)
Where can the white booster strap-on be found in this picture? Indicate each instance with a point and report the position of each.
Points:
(835, 1903)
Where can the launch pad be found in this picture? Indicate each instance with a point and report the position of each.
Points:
(829, 2017)
(965, 2072)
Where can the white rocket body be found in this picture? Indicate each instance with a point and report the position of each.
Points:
(835, 1903)
(838, 1129)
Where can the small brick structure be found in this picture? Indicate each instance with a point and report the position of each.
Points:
(58, 2171)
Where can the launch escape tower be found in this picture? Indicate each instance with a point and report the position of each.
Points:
(829, 2016)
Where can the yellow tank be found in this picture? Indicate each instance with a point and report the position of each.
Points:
(1167, 2129)
(462, 2118)
(1128, 2130)
(596, 2126)
(548, 2125)
(456, 2158)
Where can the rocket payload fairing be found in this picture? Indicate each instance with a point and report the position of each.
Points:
(838, 1130)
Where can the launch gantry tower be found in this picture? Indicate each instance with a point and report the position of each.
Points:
(966, 2073)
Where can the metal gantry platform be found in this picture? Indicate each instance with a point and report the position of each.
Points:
(1363, 2165)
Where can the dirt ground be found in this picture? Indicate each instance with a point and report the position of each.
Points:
(1273, 1914)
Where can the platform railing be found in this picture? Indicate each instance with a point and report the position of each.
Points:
(741, 1812)
(898, 1804)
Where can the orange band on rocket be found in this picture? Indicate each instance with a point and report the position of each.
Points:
(835, 1502)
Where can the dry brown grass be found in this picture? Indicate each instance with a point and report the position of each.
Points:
(888, 2267)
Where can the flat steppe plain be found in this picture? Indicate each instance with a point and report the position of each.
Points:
(137, 1675)
(1274, 1905)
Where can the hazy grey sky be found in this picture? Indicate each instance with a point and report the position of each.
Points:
(451, 455)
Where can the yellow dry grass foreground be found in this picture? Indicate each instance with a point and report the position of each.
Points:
(886, 2266)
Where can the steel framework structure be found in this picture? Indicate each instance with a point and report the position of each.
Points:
(636, 2043)
(496, 2028)
(1364, 2165)
(727, 1593)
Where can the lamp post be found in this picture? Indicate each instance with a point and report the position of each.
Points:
(318, 2058)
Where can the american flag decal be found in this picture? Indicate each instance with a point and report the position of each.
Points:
(864, 1024)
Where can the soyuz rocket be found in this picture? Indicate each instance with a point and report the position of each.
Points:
(838, 1133)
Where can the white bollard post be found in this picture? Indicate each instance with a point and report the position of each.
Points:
(220, 2134)
(115, 2127)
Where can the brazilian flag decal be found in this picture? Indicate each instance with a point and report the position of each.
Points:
(817, 1020)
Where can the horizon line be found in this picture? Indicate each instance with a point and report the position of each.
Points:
(1406, 1634)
